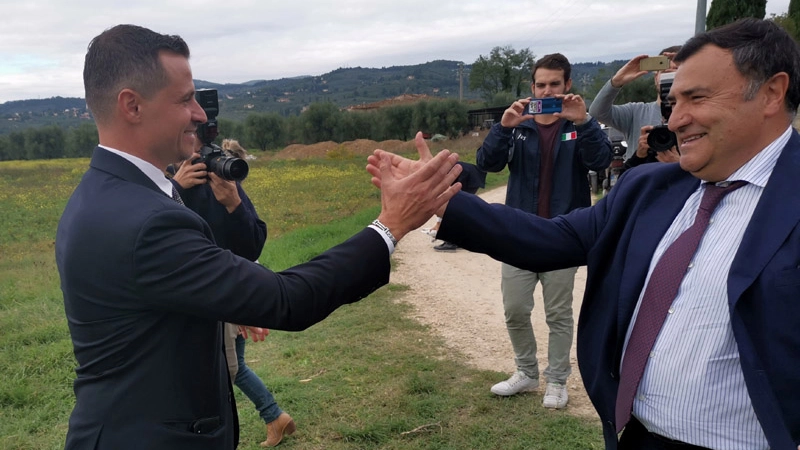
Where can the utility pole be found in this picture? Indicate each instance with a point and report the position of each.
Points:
(585, 80)
(700, 19)
(460, 81)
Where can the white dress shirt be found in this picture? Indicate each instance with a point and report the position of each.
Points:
(693, 388)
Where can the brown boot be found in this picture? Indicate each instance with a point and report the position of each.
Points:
(277, 429)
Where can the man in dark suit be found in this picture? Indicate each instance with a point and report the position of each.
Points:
(145, 287)
(722, 366)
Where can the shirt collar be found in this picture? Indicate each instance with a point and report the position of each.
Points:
(152, 172)
(758, 170)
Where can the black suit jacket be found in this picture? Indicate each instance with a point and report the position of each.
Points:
(145, 289)
(616, 240)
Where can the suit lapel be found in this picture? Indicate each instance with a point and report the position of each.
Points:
(779, 206)
(118, 166)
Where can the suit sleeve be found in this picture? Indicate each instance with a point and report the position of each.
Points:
(493, 154)
(518, 238)
(245, 231)
(176, 268)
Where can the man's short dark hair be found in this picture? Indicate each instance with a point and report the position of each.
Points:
(553, 61)
(125, 56)
(671, 49)
(760, 49)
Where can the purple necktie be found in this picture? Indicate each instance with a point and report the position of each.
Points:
(658, 296)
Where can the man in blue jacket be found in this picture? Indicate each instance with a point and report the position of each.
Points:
(549, 156)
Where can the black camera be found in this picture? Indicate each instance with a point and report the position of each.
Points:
(216, 159)
(660, 138)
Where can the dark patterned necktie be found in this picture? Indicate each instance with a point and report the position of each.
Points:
(658, 297)
(176, 196)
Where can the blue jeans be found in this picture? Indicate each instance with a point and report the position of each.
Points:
(254, 388)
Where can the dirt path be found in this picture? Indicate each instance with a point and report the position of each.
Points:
(458, 295)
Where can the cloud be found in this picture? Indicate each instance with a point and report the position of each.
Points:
(240, 40)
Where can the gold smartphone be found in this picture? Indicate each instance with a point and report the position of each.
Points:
(654, 63)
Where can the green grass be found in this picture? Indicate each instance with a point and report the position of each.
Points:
(368, 377)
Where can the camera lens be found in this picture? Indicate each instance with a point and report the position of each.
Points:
(228, 168)
(660, 139)
(235, 169)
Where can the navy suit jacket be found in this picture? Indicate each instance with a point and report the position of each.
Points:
(616, 240)
(145, 289)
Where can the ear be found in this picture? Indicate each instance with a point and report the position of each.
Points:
(568, 85)
(129, 105)
(775, 94)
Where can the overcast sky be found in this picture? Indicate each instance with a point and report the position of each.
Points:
(43, 42)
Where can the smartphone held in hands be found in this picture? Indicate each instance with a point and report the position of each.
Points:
(548, 105)
(654, 63)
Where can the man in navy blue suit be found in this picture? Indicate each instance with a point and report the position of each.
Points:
(145, 287)
(724, 367)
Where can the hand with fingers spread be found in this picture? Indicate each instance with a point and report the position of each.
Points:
(400, 165)
(413, 191)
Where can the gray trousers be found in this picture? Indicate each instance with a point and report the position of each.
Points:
(518, 286)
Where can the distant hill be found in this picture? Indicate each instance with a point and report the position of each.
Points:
(345, 87)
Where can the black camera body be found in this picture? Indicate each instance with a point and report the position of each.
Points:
(660, 138)
(216, 159)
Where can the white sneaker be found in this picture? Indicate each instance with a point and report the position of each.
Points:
(555, 396)
(430, 232)
(519, 382)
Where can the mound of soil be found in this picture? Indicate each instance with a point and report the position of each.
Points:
(365, 147)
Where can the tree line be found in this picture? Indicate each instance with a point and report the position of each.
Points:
(265, 131)
(502, 76)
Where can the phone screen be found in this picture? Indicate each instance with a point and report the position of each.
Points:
(548, 105)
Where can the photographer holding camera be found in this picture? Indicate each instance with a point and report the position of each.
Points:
(657, 143)
(631, 118)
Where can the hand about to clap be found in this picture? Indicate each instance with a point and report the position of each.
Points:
(413, 191)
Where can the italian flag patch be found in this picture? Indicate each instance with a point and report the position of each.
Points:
(569, 136)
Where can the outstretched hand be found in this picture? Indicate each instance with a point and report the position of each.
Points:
(402, 166)
(413, 191)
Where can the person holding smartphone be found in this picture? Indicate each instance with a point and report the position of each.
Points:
(548, 157)
(630, 118)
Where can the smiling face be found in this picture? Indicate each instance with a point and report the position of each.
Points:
(170, 116)
(718, 130)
